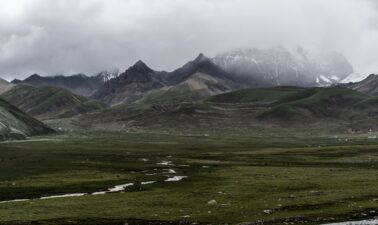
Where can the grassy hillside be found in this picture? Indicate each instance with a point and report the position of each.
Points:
(255, 95)
(245, 110)
(315, 105)
(49, 102)
(170, 97)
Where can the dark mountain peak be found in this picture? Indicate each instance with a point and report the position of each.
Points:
(201, 58)
(140, 63)
(130, 85)
(16, 81)
(204, 64)
(139, 68)
(201, 61)
(137, 73)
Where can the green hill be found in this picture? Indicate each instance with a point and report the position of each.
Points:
(255, 95)
(49, 102)
(315, 105)
(250, 109)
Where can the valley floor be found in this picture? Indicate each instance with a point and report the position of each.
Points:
(131, 178)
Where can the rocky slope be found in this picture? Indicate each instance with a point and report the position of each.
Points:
(368, 86)
(15, 124)
(5, 86)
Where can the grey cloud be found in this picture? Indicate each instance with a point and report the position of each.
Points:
(69, 36)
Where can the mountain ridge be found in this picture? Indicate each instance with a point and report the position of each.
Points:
(80, 84)
(49, 102)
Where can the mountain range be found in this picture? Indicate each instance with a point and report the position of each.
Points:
(248, 68)
(243, 88)
(200, 75)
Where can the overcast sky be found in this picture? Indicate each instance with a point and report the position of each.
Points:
(68, 36)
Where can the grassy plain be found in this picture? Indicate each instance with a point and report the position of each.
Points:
(254, 178)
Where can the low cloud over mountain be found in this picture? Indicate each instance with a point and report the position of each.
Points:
(86, 36)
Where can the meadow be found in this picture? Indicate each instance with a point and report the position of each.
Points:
(253, 178)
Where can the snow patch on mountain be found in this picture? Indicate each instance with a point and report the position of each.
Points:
(325, 79)
(107, 75)
(354, 77)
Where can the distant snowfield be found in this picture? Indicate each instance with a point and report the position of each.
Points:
(362, 222)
